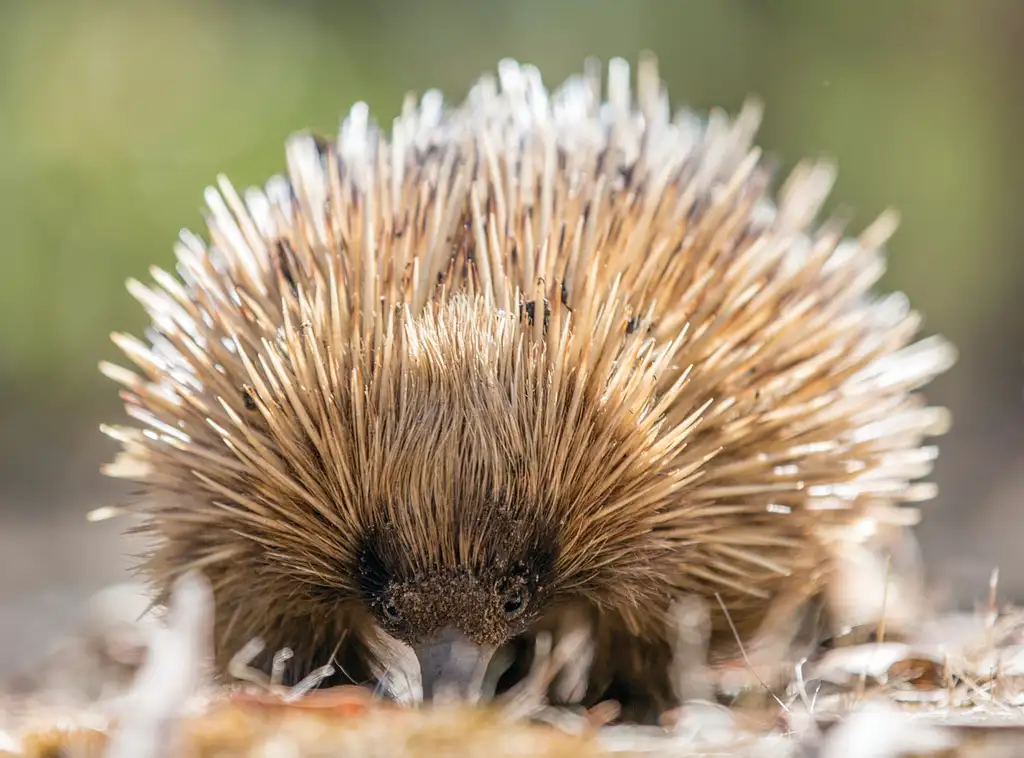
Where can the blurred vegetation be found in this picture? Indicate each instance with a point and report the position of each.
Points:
(115, 114)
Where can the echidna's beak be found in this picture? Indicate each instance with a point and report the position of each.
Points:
(452, 666)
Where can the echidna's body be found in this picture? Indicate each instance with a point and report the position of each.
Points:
(531, 354)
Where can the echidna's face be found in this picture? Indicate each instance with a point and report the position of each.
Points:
(455, 617)
(455, 622)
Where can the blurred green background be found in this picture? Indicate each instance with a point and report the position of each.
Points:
(115, 114)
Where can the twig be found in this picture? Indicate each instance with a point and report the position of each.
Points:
(690, 677)
(171, 675)
(880, 629)
(743, 652)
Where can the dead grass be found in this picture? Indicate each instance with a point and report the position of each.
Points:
(952, 686)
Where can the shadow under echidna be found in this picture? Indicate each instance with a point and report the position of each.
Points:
(541, 362)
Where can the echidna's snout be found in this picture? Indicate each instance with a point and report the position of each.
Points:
(452, 666)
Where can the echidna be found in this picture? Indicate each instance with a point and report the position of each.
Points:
(535, 355)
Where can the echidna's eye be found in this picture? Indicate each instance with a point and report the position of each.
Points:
(515, 603)
(391, 611)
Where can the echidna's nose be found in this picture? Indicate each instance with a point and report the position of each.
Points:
(452, 666)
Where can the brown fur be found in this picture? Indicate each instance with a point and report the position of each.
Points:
(522, 343)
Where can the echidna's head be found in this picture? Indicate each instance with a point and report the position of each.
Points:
(477, 469)
(455, 618)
